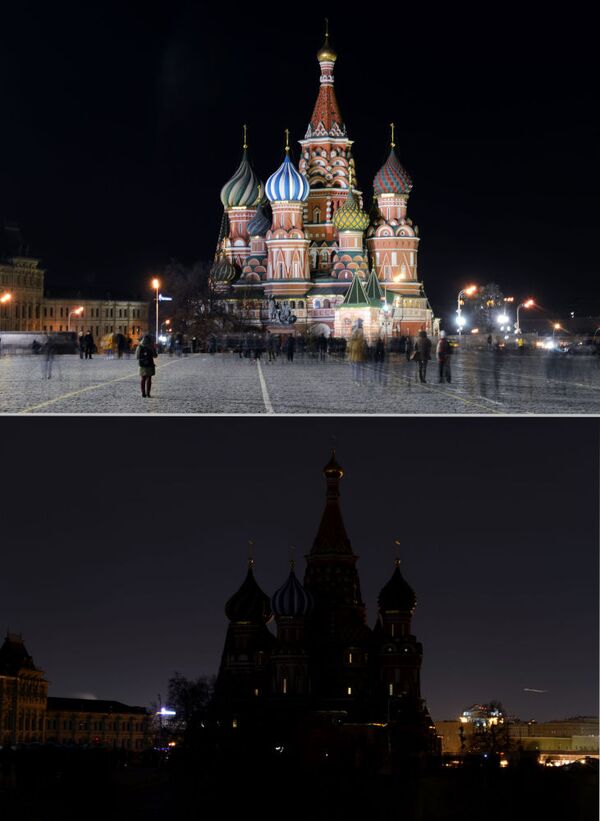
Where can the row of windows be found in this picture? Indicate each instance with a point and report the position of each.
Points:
(97, 331)
(99, 725)
(109, 313)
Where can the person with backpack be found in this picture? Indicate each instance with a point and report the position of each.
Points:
(443, 352)
(146, 354)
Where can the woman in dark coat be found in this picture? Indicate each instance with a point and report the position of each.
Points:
(145, 355)
(422, 354)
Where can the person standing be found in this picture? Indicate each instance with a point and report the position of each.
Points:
(146, 354)
(81, 343)
(408, 348)
(356, 354)
(291, 347)
(443, 352)
(422, 354)
(88, 345)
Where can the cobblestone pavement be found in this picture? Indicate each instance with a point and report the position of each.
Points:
(482, 383)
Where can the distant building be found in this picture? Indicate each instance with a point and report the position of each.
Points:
(29, 310)
(28, 715)
(325, 683)
(96, 721)
(558, 742)
(23, 692)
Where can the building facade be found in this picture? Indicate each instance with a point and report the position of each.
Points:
(29, 715)
(25, 308)
(302, 249)
(97, 722)
(322, 678)
(23, 694)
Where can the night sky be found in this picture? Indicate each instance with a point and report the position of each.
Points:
(123, 120)
(123, 539)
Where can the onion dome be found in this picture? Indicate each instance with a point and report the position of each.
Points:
(291, 600)
(287, 183)
(392, 177)
(244, 189)
(223, 270)
(397, 594)
(351, 217)
(332, 470)
(326, 54)
(249, 604)
(261, 221)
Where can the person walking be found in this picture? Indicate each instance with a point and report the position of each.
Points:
(379, 360)
(422, 354)
(356, 354)
(81, 344)
(443, 352)
(146, 354)
(408, 348)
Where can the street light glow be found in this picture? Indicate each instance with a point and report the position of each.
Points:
(529, 303)
(156, 284)
(470, 290)
(5, 297)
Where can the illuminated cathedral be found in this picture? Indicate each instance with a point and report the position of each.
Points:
(320, 682)
(302, 250)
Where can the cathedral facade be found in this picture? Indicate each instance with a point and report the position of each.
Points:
(322, 682)
(303, 250)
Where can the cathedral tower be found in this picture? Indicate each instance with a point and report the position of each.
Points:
(240, 197)
(392, 240)
(288, 271)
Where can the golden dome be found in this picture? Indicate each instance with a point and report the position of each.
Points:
(326, 53)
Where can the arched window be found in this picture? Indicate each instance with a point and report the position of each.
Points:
(301, 304)
(317, 215)
(326, 303)
(317, 303)
(292, 304)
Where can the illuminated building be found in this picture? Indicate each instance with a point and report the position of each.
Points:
(29, 310)
(305, 243)
(28, 715)
(321, 678)
(23, 691)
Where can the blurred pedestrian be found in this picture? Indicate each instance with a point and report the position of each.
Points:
(422, 354)
(356, 354)
(290, 347)
(146, 354)
(88, 345)
(443, 352)
(408, 348)
(81, 344)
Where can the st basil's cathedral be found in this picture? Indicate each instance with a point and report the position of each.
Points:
(302, 249)
(322, 683)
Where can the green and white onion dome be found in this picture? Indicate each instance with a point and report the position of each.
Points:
(223, 270)
(244, 189)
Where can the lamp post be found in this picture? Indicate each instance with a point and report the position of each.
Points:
(556, 327)
(468, 292)
(4, 299)
(76, 312)
(156, 286)
(529, 303)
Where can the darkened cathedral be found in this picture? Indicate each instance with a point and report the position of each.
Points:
(325, 689)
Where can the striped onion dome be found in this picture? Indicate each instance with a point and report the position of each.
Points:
(287, 183)
(392, 178)
(261, 221)
(223, 270)
(249, 603)
(351, 217)
(244, 189)
(397, 594)
(292, 600)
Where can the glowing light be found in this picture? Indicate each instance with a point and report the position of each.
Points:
(156, 284)
(164, 711)
(504, 763)
(474, 330)
(5, 297)
(470, 290)
(529, 303)
(502, 319)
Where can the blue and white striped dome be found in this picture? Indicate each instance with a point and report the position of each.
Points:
(291, 600)
(287, 183)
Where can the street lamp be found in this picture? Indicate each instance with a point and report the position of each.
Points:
(156, 286)
(5, 298)
(529, 303)
(468, 292)
(556, 327)
(76, 312)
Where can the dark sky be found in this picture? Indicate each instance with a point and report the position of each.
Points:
(122, 121)
(123, 538)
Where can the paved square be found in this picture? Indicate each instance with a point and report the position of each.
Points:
(482, 383)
